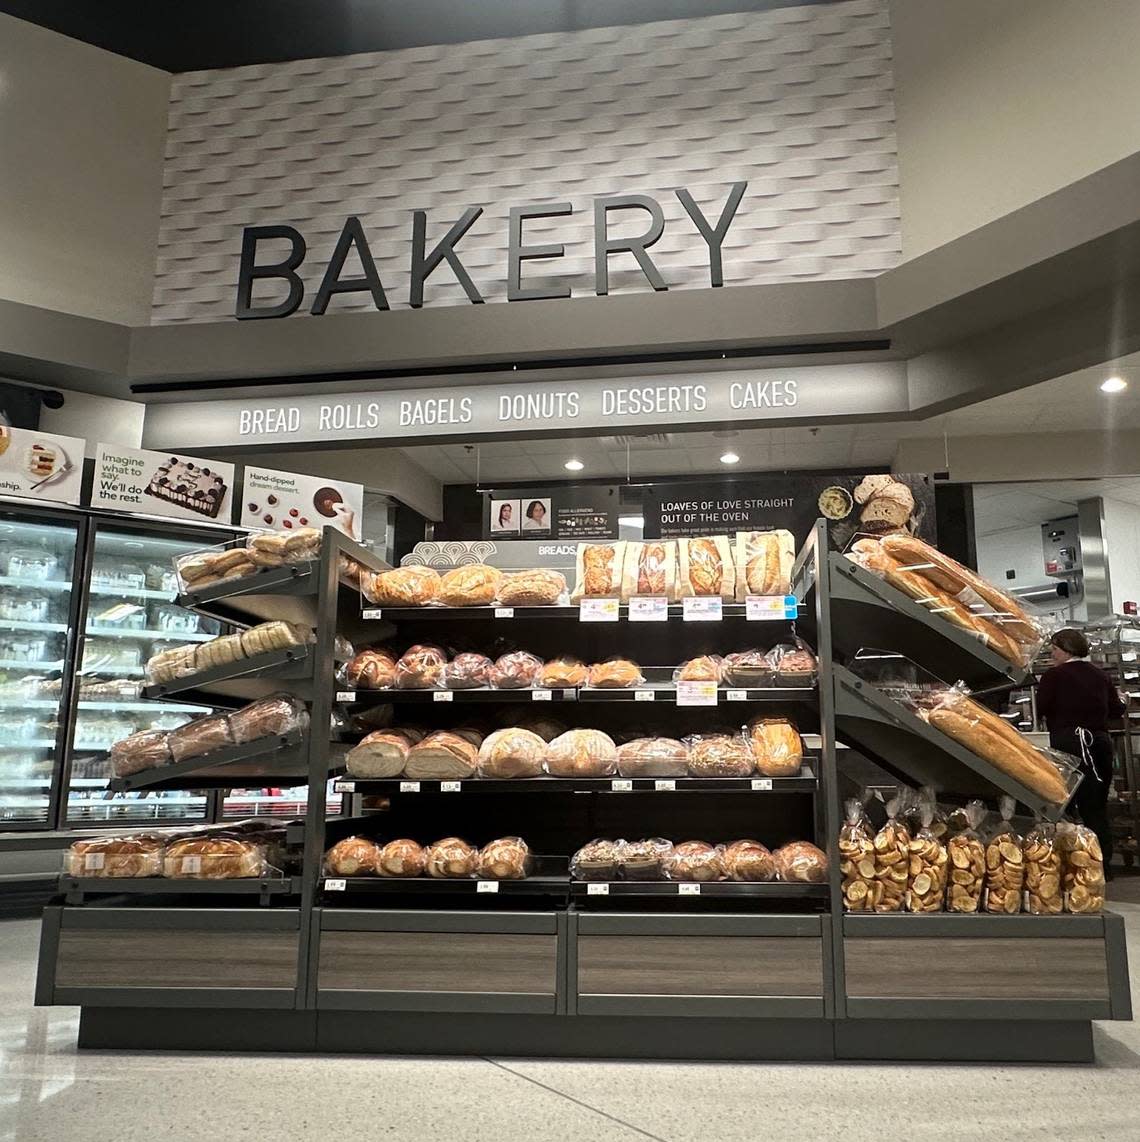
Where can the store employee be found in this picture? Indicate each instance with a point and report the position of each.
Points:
(1077, 699)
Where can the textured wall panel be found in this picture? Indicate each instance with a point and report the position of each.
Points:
(797, 101)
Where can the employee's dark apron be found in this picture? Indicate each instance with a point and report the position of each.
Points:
(1092, 749)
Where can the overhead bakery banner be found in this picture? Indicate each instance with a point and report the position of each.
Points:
(557, 511)
(40, 465)
(283, 501)
(852, 504)
(162, 484)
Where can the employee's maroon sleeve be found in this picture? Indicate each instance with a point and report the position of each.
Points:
(1046, 694)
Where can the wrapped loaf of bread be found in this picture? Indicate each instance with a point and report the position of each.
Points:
(451, 858)
(511, 753)
(403, 587)
(354, 856)
(643, 860)
(214, 858)
(749, 861)
(777, 747)
(420, 668)
(615, 674)
(401, 858)
(271, 716)
(801, 862)
(703, 668)
(267, 637)
(136, 855)
(370, 670)
(445, 755)
(695, 860)
(467, 672)
(515, 671)
(650, 569)
(653, 757)
(706, 567)
(537, 588)
(507, 858)
(720, 755)
(764, 562)
(582, 753)
(474, 585)
(563, 672)
(144, 750)
(382, 754)
(599, 570)
(199, 737)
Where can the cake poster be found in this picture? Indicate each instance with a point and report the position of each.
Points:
(282, 501)
(162, 484)
(38, 465)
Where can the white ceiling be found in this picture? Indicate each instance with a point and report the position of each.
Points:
(1069, 403)
(1001, 507)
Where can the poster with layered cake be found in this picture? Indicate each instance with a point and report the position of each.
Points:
(162, 484)
(42, 466)
(285, 501)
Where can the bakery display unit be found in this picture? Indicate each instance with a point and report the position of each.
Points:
(682, 939)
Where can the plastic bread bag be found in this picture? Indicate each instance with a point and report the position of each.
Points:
(275, 635)
(147, 749)
(1043, 870)
(777, 747)
(928, 871)
(800, 862)
(597, 860)
(749, 668)
(749, 861)
(272, 716)
(764, 562)
(892, 859)
(451, 858)
(644, 860)
(703, 668)
(515, 671)
(1005, 864)
(720, 755)
(467, 672)
(617, 673)
(1082, 864)
(507, 858)
(705, 567)
(353, 856)
(868, 553)
(598, 571)
(215, 858)
(967, 863)
(794, 663)
(649, 569)
(539, 587)
(343, 650)
(653, 757)
(928, 795)
(116, 857)
(420, 667)
(303, 543)
(563, 672)
(369, 669)
(199, 737)
(403, 587)
(582, 753)
(472, 585)
(511, 753)
(857, 859)
(1047, 773)
(695, 860)
(349, 571)
(169, 665)
(201, 569)
(401, 858)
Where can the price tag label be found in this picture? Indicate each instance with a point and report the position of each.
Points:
(345, 787)
(648, 609)
(504, 612)
(409, 786)
(335, 885)
(442, 696)
(541, 695)
(93, 862)
(688, 890)
(372, 613)
(665, 785)
(703, 609)
(346, 695)
(596, 889)
(644, 695)
(450, 786)
(598, 611)
(192, 865)
(621, 785)
(696, 693)
(486, 886)
(770, 608)
(761, 784)
(737, 696)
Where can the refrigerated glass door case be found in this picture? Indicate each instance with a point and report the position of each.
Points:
(39, 569)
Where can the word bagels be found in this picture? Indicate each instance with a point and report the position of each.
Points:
(353, 241)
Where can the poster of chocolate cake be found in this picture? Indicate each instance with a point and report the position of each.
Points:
(162, 484)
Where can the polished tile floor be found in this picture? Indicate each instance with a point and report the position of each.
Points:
(49, 1092)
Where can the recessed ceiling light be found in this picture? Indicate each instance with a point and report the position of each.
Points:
(1113, 385)
(730, 458)
(574, 465)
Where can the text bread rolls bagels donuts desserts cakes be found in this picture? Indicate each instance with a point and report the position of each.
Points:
(706, 567)
(764, 562)
(749, 861)
(800, 862)
(777, 747)
(382, 754)
(536, 588)
(474, 585)
(599, 571)
(451, 858)
(507, 858)
(582, 753)
(444, 755)
(615, 674)
(511, 753)
(403, 587)
(354, 856)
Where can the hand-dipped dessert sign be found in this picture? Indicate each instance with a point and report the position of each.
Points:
(352, 237)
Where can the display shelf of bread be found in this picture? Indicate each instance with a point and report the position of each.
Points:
(222, 566)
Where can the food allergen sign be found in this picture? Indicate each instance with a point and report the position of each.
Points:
(814, 393)
(162, 484)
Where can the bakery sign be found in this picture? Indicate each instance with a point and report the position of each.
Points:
(162, 484)
(40, 466)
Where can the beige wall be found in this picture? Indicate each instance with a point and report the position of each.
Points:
(82, 141)
(999, 102)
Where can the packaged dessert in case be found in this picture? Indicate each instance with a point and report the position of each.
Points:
(706, 567)
(597, 860)
(748, 668)
(599, 570)
(512, 753)
(507, 858)
(653, 757)
(582, 753)
(800, 862)
(861, 887)
(764, 562)
(1043, 871)
(403, 587)
(353, 856)
(929, 866)
(777, 747)
(643, 860)
(1082, 863)
(695, 860)
(794, 663)
(649, 569)
(967, 863)
(1005, 864)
